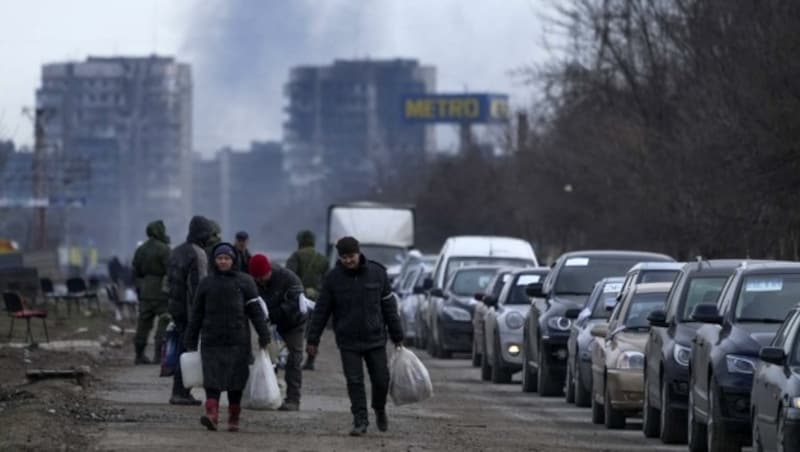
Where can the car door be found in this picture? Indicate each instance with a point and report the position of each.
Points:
(657, 337)
(491, 317)
(770, 381)
(599, 353)
(538, 307)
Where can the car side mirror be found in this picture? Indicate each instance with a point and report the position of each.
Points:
(535, 290)
(706, 313)
(419, 290)
(773, 355)
(437, 292)
(427, 284)
(599, 330)
(658, 318)
(479, 296)
(573, 313)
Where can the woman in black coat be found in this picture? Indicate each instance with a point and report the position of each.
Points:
(224, 302)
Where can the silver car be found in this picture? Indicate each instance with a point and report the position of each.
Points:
(492, 293)
(503, 326)
(409, 293)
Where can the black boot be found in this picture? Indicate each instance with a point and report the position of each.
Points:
(359, 428)
(309, 365)
(382, 420)
(140, 358)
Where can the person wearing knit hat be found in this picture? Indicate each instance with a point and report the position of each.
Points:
(242, 240)
(281, 289)
(358, 285)
(225, 305)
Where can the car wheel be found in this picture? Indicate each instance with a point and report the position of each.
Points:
(548, 387)
(598, 410)
(476, 357)
(486, 369)
(583, 397)
(499, 372)
(528, 378)
(673, 421)
(569, 387)
(758, 445)
(719, 439)
(651, 417)
(696, 431)
(614, 419)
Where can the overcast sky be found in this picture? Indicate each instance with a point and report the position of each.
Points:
(241, 50)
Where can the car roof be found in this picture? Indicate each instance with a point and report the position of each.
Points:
(660, 287)
(468, 245)
(643, 255)
(657, 266)
(611, 280)
(476, 267)
(530, 271)
(770, 267)
(716, 266)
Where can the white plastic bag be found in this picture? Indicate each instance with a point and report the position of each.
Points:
(192, 370)
(410, 381)
(262, 391)
(305, 304)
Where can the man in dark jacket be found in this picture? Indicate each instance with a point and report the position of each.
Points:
(281, 290)
(358, 295)
(150, 264)
(242, 253)
(188, 265)
(311, 267)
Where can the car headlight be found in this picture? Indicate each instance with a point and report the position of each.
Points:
(457, 313)
(796, 403)
(682, 355)
(738, 364)
(559, 323)
(630, 360)
(514, 320)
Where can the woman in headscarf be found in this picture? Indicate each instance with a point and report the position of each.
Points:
(225, 300)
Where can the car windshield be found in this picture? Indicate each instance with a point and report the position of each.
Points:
(641, 307)
(606, 298)
(518, 294)
(656, 276)
(385, 255)
(701, 291)
(461, 262)
(579, 274)
(466, 283)
(767, 298)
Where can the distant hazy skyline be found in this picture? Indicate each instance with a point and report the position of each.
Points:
(241, 50)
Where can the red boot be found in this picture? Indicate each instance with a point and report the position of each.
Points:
(211, 418)
(233, 417)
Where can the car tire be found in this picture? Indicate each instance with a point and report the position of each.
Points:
(528, 378)
(500, 374)
(672, 421)
(719, 438)
(651, 417)
(583, 396)
(569, 387)
(486, 369)
(696, 431)
(614, 419)
(548, 387)
(476, 357)
(598, 411)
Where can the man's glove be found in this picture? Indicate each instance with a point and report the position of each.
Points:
(311, 350)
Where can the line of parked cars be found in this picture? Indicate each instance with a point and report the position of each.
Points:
(706, 352)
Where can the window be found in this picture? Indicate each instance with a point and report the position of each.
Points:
(767, 298)
(578, 275)
(641, 306)
(461, 262)
(701, 291)
(518, 295)
(607, 298)
(469, 282)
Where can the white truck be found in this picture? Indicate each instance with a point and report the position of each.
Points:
(385, 231)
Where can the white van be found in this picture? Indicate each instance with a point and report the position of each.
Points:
(469, 251)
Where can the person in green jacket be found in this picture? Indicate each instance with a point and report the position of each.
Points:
(311, 267)
(216, 239)
(150, 266)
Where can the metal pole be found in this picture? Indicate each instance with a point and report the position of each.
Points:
(39, 178)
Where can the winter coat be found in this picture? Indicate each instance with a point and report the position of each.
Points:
(224, 306)
(214, 239)
(311, 267)
(362, 305)
(243, 261)
(150, 263)
(282, 295)
(188, 265)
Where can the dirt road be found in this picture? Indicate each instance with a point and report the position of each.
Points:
(464, 415)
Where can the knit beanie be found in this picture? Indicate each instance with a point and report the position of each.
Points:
(347, 245)
(226, 249)
(259, 266)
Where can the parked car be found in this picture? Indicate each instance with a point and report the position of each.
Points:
(503, 326)
(547, 329)
(409, 291)
(579, 345)
(451, 310)
(775, 398)
(481, 308)
(412, 261)
(618, 355)
(754, 303)
(650, 272)
(669, 346)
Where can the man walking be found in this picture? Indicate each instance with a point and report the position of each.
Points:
(188, 264)
(150, 264)
(358, 295)
(311, 267)
(281, 290)
(242, 253)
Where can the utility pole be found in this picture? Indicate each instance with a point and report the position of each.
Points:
(40, 177)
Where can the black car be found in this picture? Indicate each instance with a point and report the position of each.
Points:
(579, 364)
(724, 355)
(775, 399)
(547, 328)
(668, 348)
(451, 310)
